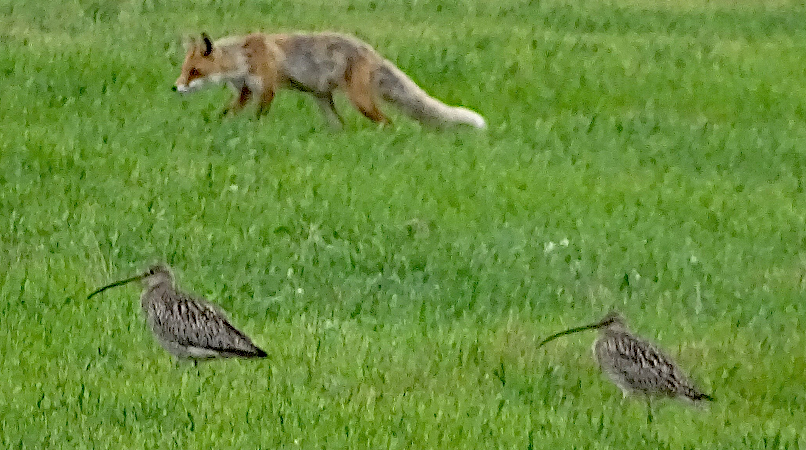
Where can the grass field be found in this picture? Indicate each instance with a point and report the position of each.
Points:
(642, 155)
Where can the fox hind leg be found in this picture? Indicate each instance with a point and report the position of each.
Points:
(359, 91)
(325, 102)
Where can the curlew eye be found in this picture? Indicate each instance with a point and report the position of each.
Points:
(151, 271)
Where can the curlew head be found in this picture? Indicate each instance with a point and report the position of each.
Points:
(156, 274)
(612, 320)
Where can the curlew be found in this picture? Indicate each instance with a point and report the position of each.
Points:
(187, 327)
(635, 365)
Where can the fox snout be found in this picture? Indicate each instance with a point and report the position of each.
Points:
(184, 88)
(180, 85)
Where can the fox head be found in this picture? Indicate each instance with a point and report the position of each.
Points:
(200, 66)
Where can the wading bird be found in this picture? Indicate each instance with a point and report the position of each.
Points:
(635, 365)
(187, 327)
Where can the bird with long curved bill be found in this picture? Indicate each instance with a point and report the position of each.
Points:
(187, 327)
(636, 365)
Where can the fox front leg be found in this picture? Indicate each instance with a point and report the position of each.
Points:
(265, 102)
(242, 96)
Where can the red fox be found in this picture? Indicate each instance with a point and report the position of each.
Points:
(259, 64)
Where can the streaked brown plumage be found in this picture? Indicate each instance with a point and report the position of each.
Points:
(187, 327)
(636, 365)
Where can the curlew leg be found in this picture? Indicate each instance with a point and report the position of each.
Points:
(648, 411)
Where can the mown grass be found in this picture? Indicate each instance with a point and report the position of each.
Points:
(642, 155)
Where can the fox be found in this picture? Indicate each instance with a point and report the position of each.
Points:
(320, 63)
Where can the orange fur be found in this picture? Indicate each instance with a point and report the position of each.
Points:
(258, 65)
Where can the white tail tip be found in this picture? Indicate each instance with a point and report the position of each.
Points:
(479, 122)
(471, 118)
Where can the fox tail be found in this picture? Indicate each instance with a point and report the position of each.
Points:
(397, 88)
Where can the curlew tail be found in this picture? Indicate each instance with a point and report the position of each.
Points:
(697, 396)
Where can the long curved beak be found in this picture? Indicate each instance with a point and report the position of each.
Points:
(116, 283)
(592, 326)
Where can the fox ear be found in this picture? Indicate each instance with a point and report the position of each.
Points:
(208, 45)
(188, 42)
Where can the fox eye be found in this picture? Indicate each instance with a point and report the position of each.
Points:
(194, 73)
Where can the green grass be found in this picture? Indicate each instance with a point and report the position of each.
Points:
(400, 277)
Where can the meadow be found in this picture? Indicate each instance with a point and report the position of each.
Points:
(642, 155)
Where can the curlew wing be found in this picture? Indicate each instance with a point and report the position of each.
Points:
(197, 323)
(637, 365)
